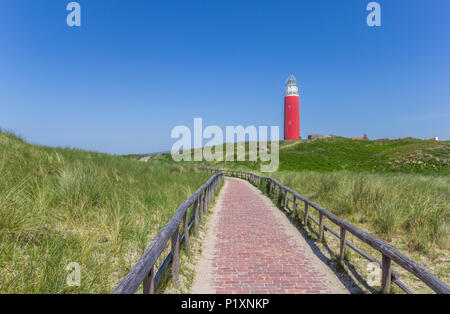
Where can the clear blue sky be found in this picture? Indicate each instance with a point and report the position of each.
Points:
(135, 69)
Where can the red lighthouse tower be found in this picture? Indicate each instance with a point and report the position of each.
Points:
(291, 110)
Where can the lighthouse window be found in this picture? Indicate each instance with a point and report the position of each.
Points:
(289, 106)
(290, 122)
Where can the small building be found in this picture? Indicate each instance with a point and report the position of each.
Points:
(317, 136)
(364, 138)
(434, 139)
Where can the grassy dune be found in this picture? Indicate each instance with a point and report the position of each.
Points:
(59, 206)
(407, 155)
(415, 207)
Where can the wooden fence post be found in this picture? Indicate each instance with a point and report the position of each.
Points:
(320, 226)
(186, 232)
(175, 249)
(149, 283)
(196, 221)
(202, 205)
(208, 198)
(205, 201)
(280, 196)
(285, 199)
(306, 215)
(294, 203)
(342, 248)
(385, 274)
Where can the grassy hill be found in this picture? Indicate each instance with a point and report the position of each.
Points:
(406, 155)
(59, 206)
(336, 153)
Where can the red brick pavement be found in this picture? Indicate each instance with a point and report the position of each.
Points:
(253, 251)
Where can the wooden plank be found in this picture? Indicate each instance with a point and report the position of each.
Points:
(385, 274)
(175, 250)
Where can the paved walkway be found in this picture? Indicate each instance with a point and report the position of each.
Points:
(251, 247)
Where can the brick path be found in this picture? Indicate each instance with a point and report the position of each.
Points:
(254, 252)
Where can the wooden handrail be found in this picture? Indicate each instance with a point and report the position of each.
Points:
(388, 252)
(143, 270)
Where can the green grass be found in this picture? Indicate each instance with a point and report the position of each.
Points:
(59, 206)
(414, 208)
(406, 155)
(388, 156)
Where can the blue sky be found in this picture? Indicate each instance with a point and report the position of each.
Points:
(136, 69)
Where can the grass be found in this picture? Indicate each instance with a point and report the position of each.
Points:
(390, 205)
(408, 155)
(59, 206)
(384, 156)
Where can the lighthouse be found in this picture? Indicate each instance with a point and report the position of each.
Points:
(291, 110)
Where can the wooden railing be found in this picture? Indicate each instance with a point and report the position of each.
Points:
(282, 195)
(144, 270)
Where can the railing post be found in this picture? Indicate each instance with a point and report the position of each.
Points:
(196, 216)
(342, 247)
(202, 205)
(320, 226)
(306, 214)
(149, 282)
(385, 275)
(212, 193)
(186, 232)
(280, 197)
(175, 249)
(294, 203)
(206, 200)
